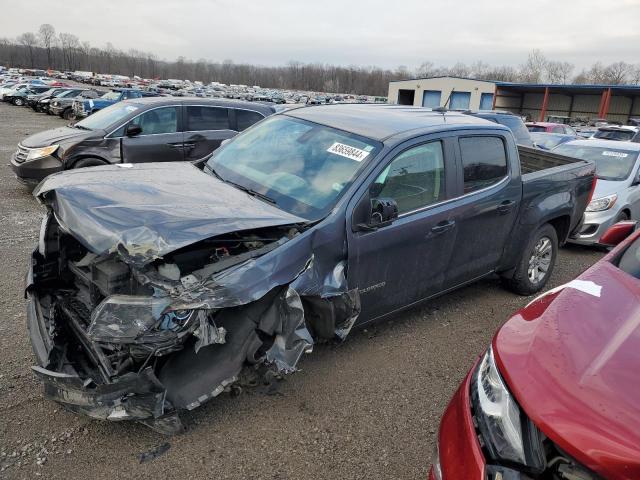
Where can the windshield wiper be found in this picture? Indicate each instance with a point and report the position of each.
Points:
(252, 192)
(75, 125)
(248, 190)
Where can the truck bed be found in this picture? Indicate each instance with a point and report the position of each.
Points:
(534, 159)
(549, 179)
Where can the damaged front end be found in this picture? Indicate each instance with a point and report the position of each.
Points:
(128, 334)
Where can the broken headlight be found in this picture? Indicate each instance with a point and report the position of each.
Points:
(125, 318)
(506, 434)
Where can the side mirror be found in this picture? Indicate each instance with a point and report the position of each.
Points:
(371, 214)
(133, 130)
(225, 141)
(636, 180)
(616, 233)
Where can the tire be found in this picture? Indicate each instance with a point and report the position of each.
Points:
(89, 162)
(67, 114)
(18, 102)
(541, 252)
(622, 216)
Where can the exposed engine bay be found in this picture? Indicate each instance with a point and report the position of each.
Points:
(123, 340)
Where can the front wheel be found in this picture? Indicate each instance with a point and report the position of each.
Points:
(89, 162)
(18, 102)
(68, 114)
(536, 263)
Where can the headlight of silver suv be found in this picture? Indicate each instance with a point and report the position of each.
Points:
(506, 434)
(603, 203)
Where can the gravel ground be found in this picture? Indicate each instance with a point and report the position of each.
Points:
(368, 408)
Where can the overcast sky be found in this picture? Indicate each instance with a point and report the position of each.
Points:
(343, 32)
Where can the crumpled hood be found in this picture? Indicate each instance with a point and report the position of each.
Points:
(53, 136)
(572, 360)
(151, 209)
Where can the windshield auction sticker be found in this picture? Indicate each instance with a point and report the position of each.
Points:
(346, 151)
(608, 153)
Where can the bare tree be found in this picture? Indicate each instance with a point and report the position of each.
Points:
(47, 36)
(459, 70)
(533, 70)
(70, 45)
(634, 76)
(426, 70)
(29, 40)
(559, 72)
(617, 73)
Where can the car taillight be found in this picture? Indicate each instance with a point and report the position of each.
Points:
(593, 189)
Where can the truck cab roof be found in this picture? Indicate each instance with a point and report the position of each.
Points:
(380, 122)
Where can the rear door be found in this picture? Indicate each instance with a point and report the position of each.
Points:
(161, 139)
(490, 192)
(404, 262)
(205, 129)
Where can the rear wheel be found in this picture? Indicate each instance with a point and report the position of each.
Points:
(68, 114)
(536, 263)
(18, 101)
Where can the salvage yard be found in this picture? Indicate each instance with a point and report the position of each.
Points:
(367, 408)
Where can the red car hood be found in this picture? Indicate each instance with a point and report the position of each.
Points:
(572, 360)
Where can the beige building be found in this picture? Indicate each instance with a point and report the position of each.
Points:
(538, 102)
(450, 92)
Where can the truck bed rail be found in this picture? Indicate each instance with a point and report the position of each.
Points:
(534, 159)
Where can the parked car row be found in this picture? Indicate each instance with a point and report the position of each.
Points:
(182, 88)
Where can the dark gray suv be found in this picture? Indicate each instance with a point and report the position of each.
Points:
(156, 129)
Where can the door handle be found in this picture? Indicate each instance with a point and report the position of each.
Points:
(505, 207)
(443, 227)
(175, 145)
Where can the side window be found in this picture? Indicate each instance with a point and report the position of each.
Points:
(484, 161)
(206, 118)
(159, 120)
(245, 119)
(558, 129)
(414, 179)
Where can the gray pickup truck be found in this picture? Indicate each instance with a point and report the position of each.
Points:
(154, 284)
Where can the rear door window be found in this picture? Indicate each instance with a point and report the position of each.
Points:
(484, 162)
(207, 118)
(246, 118)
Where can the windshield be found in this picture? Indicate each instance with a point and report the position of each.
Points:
(112, 95)
(66, 93)
(304, 167)
(516, 125)
(106, 117)
(611, 163)
(549, 140)
(621, 135)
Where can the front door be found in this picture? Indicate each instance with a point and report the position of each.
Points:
(399, 264)
(205, 129)
(160, 140)
(490, 195)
